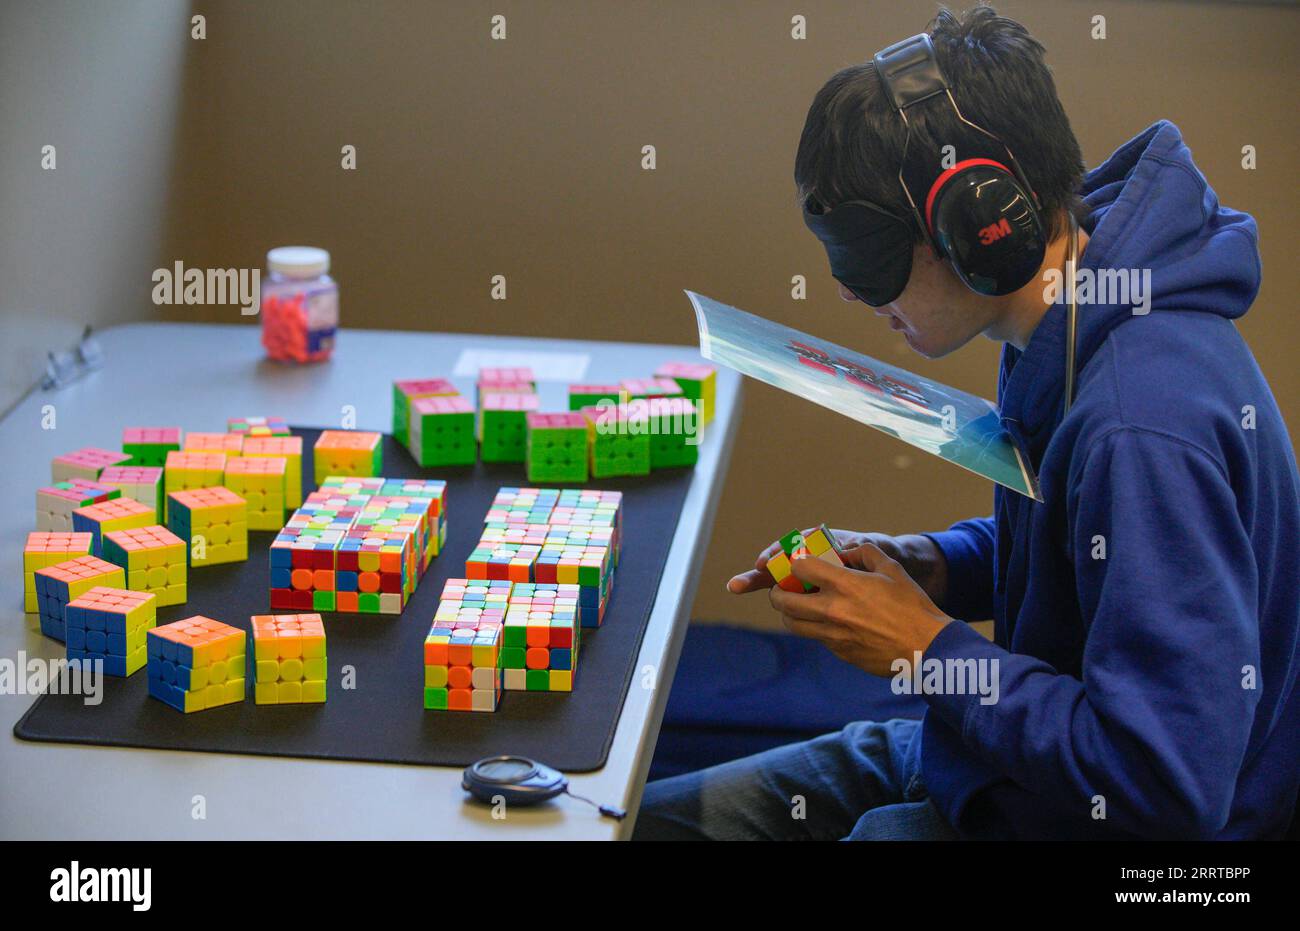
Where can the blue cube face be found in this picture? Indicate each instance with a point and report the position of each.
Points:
(280, 576)
(93, 620)
(96, 642)
(561, 658)
(115, 666)
(76, 640)
(74, 616)
(117, 644)
(345, 581)
(281, 558)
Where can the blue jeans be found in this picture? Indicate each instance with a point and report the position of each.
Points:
(859, 784)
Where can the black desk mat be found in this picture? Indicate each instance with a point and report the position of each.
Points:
(382, 718)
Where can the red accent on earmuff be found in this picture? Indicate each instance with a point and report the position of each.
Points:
(944, 178)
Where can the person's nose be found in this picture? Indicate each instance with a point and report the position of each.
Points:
(846, 294)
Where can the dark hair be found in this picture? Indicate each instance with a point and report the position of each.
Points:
(852, 141)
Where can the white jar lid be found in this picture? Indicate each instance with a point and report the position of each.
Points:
(298, 261)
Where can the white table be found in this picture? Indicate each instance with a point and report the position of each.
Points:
(196, 376)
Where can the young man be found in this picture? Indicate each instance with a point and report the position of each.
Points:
(1147, 610)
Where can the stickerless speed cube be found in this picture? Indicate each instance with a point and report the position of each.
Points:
(186, 471)
(289, 659)
(510, 380)
(154, 559)
(227, 444)
(643, 388)
(48, 548)
(581, 396)
(213, 523)
(290, 449)
(149, 446)
(819, 543)
(503, 426)
(674, 432)
(110, 625)
(556, 447)
(407, 390)
(257, 426)
(699, 383)
(196, 664)
(541, 638)
(347, 452)
(85, 464)
(442, 431)
(462, 651)
(115, 514)
(260, 481)
(139, 483)
(618, 438)
(55, 503)
(63, 582)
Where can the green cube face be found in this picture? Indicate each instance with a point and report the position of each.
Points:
(323, 601)
(505, 436)
(435, 699)
(589, 575)
(670, 450)
(443, 438)
(538, 680)
(620, 454)
(368, 603)
(513, 657)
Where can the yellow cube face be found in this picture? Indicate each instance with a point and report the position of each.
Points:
(262, 482)
(291, 662)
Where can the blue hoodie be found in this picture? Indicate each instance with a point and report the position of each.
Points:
(1147, 611)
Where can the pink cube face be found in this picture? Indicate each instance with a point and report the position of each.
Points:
(664, 407)
(137, 435)
(425, 387)
(695, 371)
(595, 389)
(511, 402)
(505, 376)
(455, 404)
(571, 420)
(92, 457)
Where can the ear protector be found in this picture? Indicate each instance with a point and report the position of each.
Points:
(980, 214)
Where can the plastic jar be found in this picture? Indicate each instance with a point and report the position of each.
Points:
(300, 305)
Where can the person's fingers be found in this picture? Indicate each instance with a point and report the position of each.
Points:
(869, 558)
(813, 571)
(752, 581)
(807, 606)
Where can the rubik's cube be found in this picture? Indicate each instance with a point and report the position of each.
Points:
(257, 426)
(227, 444)
(699, 383)
(407, 390)
(819, 543)
(581, 396)
(442, 431)
(524, 540)
(260, 481)
(358, 545)
(643, 388)
(462, 651)
(510, 380)
(110, 625)
(503, 426)
(149, 446)
(186, 471)
(197, 664)
(288, 448)
(556, 447)
(213, 523)
(114, 514)
(289, 661)
(539, 651)
(674, 432)
(347, 452)
(55, 504)
(139, 483)
(154, 559)
(619, 440)
(46, 548)
(66, 581)
(85, 464)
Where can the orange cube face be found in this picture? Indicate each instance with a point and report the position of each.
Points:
(348, 453)
(288, 448)
(197, 663)
(66, 581)
(154, 559)
(227, 444)
(47, 548)
(114, 514)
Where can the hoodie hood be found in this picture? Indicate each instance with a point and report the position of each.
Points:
(1151, 213)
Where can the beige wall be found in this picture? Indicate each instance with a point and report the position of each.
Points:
(101, 83)
(522, 158)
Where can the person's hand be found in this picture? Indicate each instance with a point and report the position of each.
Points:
(917, 554)
(869, 612)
